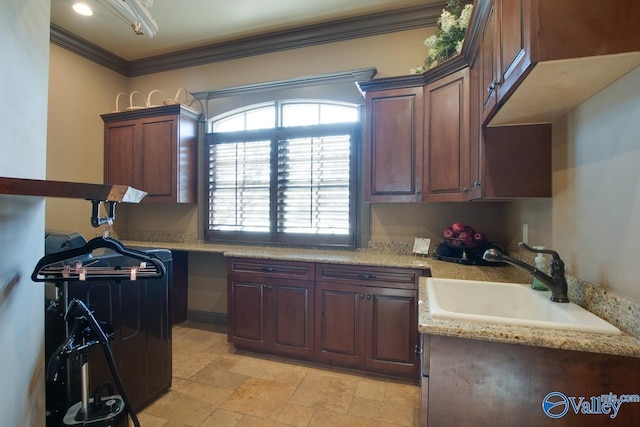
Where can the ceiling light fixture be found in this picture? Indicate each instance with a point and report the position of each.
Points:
(82, 9)
(135, 13)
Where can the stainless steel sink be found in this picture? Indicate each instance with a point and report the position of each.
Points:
(508, 304)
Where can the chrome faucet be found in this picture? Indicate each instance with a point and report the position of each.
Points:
(557, 283)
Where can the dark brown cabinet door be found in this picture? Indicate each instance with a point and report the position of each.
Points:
(246, 310)
(157, 170)
(393, 145)
(513, 55)
(119, 156)
(367, 327)
(487, 65)
(291, 317)
(392, 319)
(340, 325)
(273, 315)
(446, 157)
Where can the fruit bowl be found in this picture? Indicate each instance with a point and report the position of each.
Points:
(456, 243)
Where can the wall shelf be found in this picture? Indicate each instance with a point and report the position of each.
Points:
(71, 190)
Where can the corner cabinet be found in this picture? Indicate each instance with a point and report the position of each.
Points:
(393, 148)
(155, 150)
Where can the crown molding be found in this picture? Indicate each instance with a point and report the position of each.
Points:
(331, 32)
(67, 40)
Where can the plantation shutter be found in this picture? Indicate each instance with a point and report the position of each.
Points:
(239, 186)
(313, 185)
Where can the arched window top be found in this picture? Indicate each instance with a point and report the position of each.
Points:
(285, 114)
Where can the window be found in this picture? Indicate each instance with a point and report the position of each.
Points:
(283, 173)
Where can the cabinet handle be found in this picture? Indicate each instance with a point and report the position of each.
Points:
(368, 296)
(417, 349)
(492, 86)
(268, 269)
(366, 276)
(476, 184)
(361, 296)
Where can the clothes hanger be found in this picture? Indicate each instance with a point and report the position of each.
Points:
(49, 268)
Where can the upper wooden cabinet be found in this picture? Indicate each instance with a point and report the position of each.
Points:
(155, 150)
(446, 142)
(551, 56)
(393, 145)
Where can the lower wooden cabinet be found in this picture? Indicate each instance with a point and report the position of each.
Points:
(270, 314)
(367, 327)
(350, 316)
(468, 382)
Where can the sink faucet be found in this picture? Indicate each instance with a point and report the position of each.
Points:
(557, 283)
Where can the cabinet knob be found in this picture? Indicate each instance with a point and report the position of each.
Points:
(361, 296)
(418, 193)
(368, 296)
(417, 349)
(476, 184)
(465, 190)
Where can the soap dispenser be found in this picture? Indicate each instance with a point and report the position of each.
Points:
(541, 264)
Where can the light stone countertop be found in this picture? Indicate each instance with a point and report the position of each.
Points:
(624, 345)
(352, 257)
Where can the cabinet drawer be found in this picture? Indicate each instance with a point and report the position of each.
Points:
(272, 268)
(363, 275)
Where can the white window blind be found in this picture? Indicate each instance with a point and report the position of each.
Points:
(290, 184)
(239, 186)
(313, 185)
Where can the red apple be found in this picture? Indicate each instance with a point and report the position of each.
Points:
(448, 233)
(469, 229)
(457, 228)
(479, 237)
(465, 239)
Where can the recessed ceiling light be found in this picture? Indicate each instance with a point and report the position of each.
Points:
(83, 9)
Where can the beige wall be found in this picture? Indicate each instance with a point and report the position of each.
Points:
(596, 179)
(593, 220)
(24, 46)
(80, 90)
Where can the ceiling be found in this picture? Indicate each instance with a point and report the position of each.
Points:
(187, 24)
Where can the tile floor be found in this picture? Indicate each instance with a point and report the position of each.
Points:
(215, 385)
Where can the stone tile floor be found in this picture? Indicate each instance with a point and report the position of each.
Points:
(215, 385)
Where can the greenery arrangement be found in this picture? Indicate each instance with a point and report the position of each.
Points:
(447, 41)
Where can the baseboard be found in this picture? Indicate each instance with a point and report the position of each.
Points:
(218, 319)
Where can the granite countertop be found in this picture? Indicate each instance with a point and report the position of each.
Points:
(353, 257)
(622, 345)
(625, 345)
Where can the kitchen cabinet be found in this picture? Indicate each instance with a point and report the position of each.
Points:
(551, 56)
(155, 150)
(393, 145)
(271, 306)
(366, 318)
(475, 377)
(446, 144)
(357, 317)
